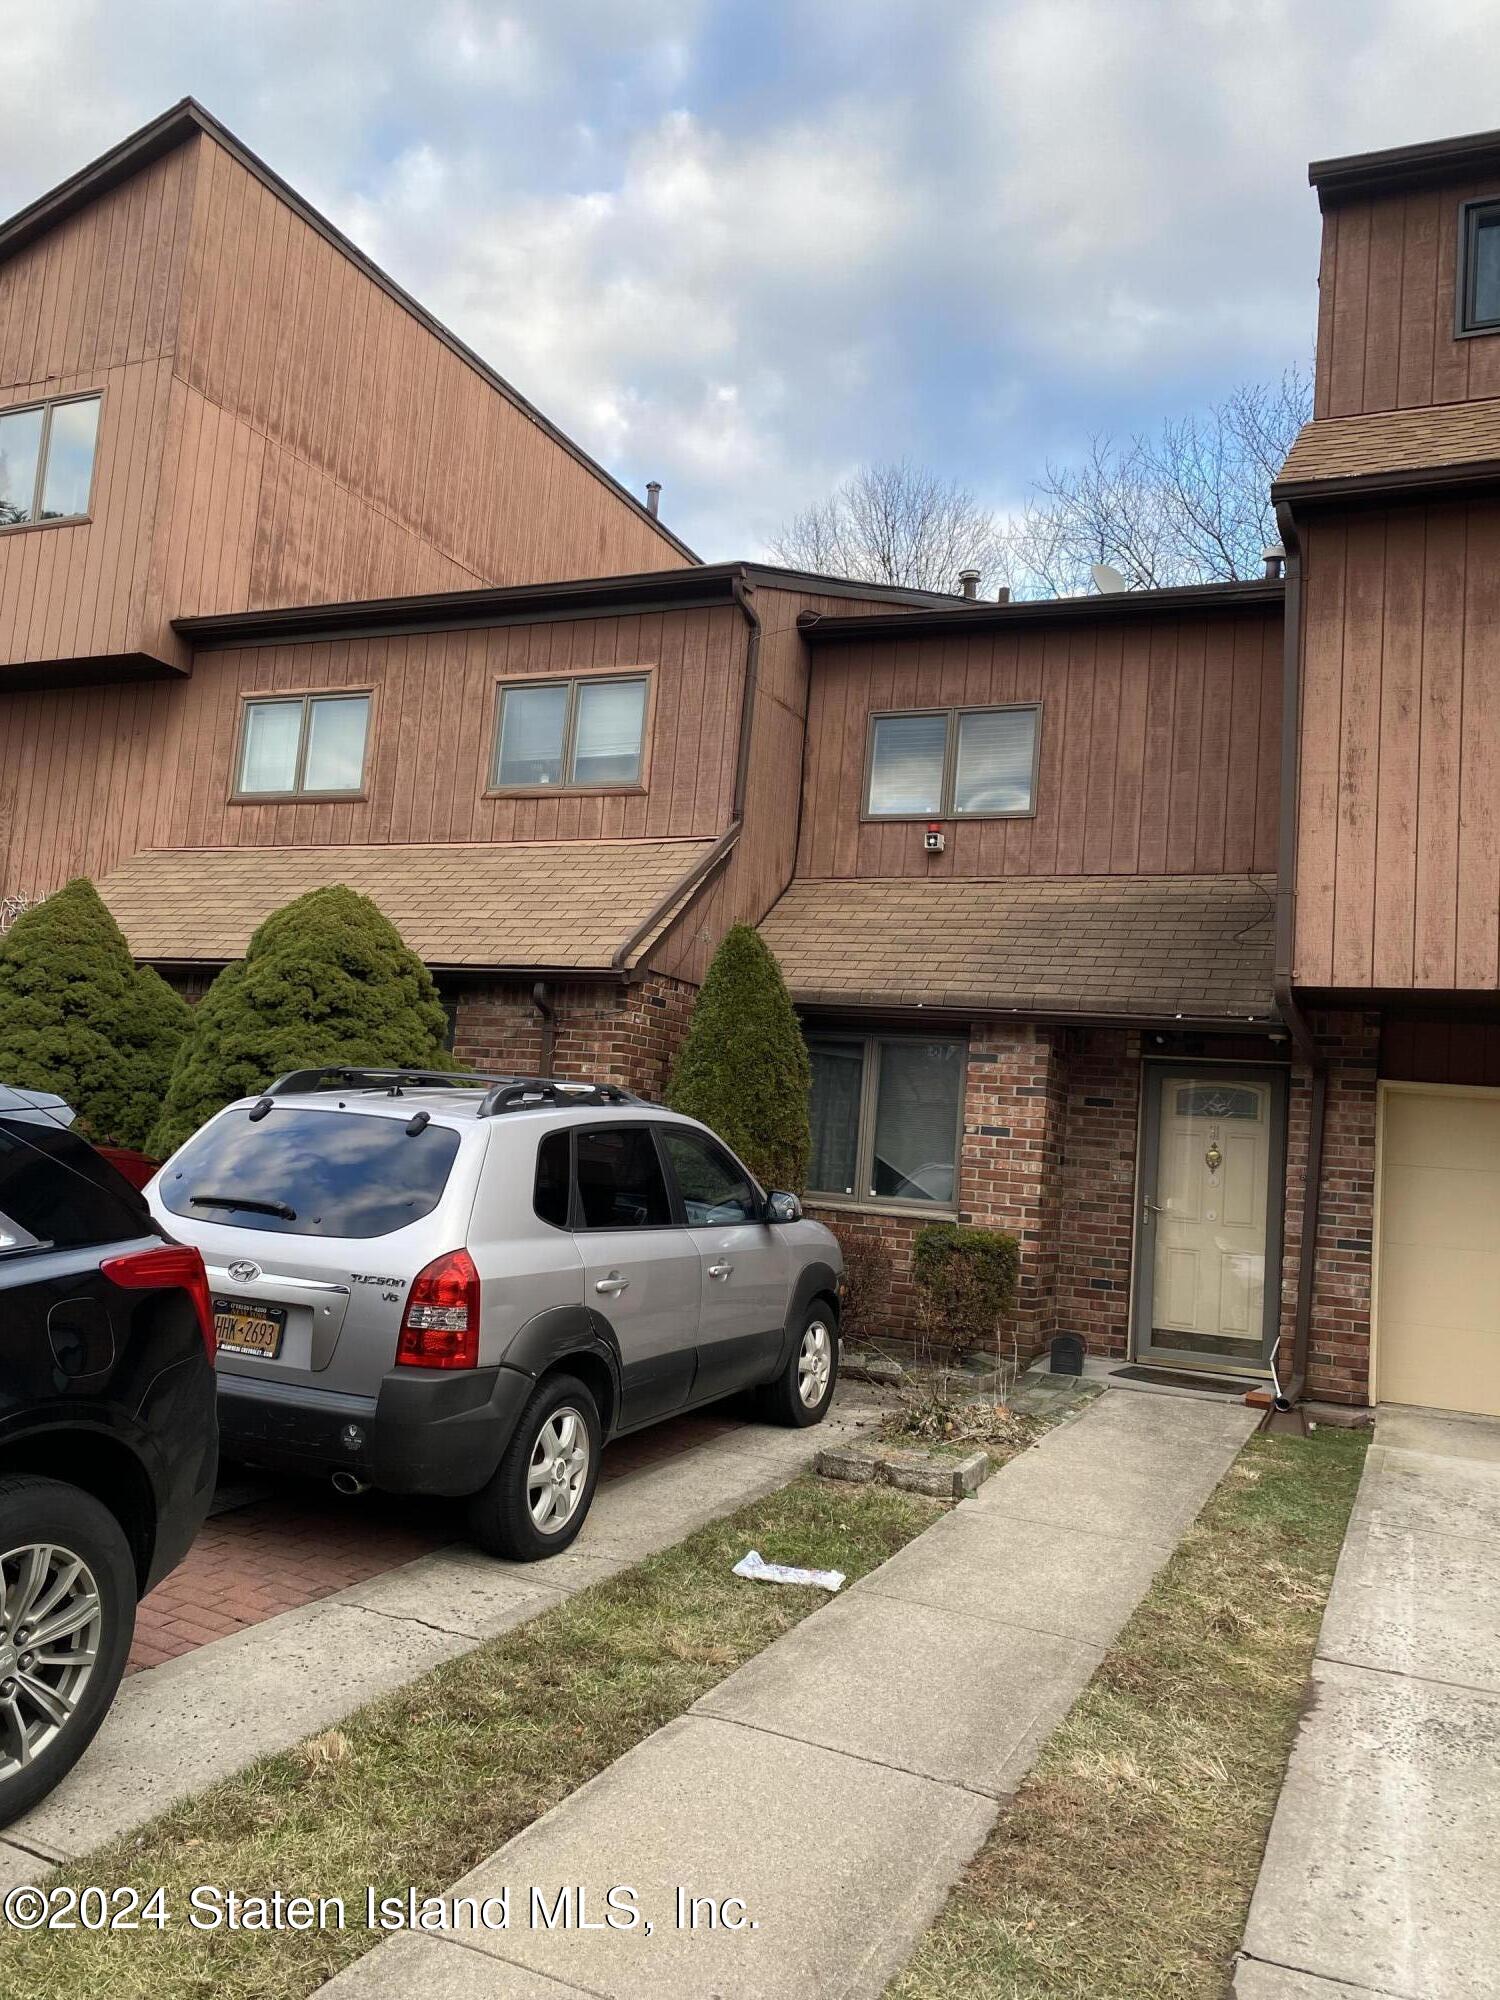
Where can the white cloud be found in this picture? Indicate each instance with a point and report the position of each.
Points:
(741, 250)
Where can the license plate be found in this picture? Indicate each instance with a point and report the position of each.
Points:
(243, 1326)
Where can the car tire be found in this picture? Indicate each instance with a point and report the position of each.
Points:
(559, 1426)
(803, 1390)
(39, 1515)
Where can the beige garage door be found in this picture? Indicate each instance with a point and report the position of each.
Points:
(1438, 1303)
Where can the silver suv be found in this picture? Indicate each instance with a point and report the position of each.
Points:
(465, 1285)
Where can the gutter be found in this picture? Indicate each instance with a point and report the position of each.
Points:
(683, 893)
(1297, 1024)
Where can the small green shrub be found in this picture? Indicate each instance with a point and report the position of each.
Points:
(743, 1068)
(327, 979)
(78, 1017)
(965, 1280)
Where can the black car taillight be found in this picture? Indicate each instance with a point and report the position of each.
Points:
(171, 1266)
(440, 1327)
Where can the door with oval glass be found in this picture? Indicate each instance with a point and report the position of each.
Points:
(1208, 1253)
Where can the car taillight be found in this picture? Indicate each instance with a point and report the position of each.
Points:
(174, 1264)
(440, 1327)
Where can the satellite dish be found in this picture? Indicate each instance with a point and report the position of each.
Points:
(1107, 579)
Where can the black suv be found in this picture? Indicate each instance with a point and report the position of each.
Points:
(108, 1445)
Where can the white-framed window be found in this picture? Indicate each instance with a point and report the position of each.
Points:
(580, 735)
(47, 460)
(887, 1115)
(953, 763)
(303, 746)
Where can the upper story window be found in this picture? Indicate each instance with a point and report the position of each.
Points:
(584, 734)
(945, 763)
(1479, 273)
(47, 461)
(303, 746)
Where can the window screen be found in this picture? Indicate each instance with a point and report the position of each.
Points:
(607, 738)
(992, 771)
(311, 743)
(620, 1182)
(533, 728)
(838, 1070)
(906, 764)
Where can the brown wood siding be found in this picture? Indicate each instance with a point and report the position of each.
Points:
(1398, 865)
(1387, 290)
(1159, 748)
(349, 451)
(277, 429)
(94, 305)
(89, 776)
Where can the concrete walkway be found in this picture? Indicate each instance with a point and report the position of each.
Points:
(839, 1782)
(194, 1720)
(1382, 1869)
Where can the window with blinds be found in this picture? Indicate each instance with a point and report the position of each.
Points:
(587, 735)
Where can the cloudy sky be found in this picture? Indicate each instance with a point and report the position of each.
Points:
(742, 246)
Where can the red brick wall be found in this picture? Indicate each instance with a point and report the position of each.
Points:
(614, 1034)
(1339, 1338)
(1098, 1189)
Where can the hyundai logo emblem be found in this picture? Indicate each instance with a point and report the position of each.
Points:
(244, 1273)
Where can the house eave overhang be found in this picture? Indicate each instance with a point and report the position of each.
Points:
(957, 1012)
(1480, 475)
(1212, 599)
(1399, 168)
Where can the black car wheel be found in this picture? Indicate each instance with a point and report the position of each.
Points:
(801, 1393)
(544, 1485)
(67, 1613)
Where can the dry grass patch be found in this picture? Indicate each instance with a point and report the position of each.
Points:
(1126, 1865)
(419, 1786)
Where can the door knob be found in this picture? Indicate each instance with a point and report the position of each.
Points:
(720, 1270)
(613, 1283)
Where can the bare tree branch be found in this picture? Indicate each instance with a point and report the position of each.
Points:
(895, 523)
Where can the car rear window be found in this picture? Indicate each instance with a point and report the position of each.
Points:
(311, 1173)
(55, 1192)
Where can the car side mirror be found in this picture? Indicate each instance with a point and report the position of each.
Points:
(783, 1207)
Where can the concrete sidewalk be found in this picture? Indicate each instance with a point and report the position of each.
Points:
(187, 1724)
(839, 1782)
(1381, 1871)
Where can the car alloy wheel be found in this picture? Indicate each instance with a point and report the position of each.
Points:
(559, 1470)
(51, 1619)
(814, 1363)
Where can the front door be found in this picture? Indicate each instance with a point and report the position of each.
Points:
(1209, 1240)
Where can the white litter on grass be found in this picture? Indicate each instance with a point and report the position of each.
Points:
(759, 1570)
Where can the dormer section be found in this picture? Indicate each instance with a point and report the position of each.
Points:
(1409, 284)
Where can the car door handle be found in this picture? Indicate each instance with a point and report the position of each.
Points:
(613, 1283)
(720, 1270)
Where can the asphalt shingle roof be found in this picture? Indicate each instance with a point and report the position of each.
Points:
(555, 903)
(1393, 441)
(1152, 946)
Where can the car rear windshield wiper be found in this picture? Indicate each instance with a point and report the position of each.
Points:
(245, 1201)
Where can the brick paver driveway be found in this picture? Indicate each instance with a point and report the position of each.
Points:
(291, 1541)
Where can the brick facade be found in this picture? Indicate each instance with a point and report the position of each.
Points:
(1338, 1369)
(612, 1033)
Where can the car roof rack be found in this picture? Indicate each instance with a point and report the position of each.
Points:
(393, 1081)
(523, 1093)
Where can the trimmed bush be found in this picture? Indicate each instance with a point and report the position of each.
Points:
(966, 1282)
(742, 1068)
(867, 1283)
(327, 979)
(79, 1018)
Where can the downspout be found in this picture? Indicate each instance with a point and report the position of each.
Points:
(684, 889)
(1287, 1005)
(541, 999)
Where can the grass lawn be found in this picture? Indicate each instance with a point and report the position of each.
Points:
(416, 1788)
(1126, 1865)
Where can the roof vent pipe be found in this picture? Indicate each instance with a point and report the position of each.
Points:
(1274, 559)
(968, 583)
(1002, 595)
(653, 497)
